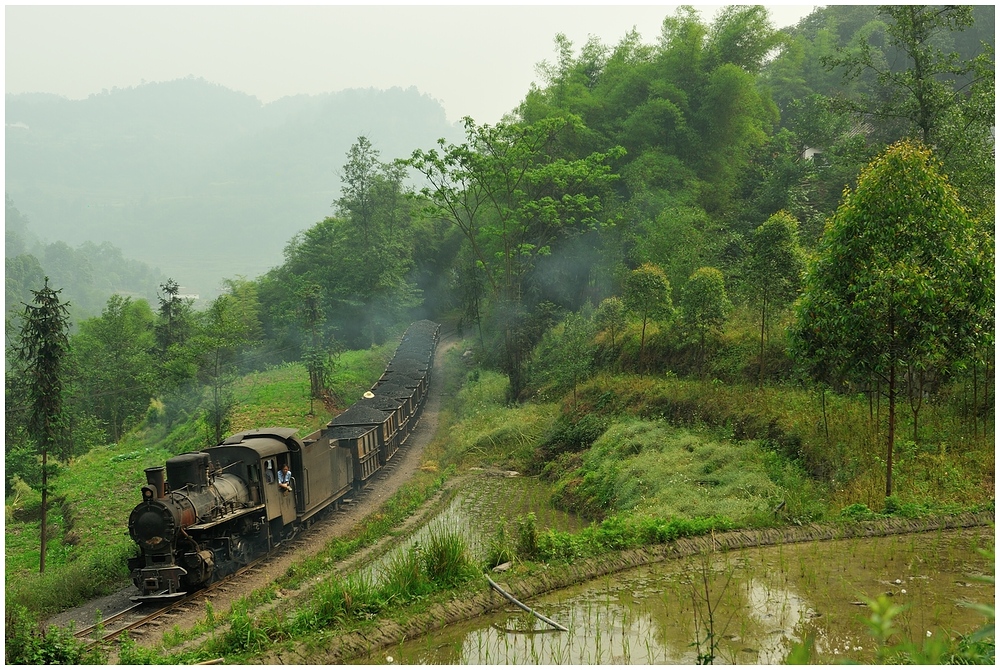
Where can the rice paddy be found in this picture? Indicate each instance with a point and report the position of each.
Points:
(747, 607)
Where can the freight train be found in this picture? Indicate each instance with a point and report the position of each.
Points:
(208, 513)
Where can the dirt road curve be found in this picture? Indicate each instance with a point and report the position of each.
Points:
(407, 461)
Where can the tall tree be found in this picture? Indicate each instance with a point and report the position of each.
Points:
(773, 271)
(611, 316)
(376, 239)
(703, 305)
(319, 348)
(231, 324)
(924, 89)
(175, 323)
(115, 367)
(647, 295)
(895, 280)
(514, 197)
(41, 353)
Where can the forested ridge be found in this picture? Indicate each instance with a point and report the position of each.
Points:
(784, 236)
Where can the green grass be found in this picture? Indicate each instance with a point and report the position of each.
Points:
(654, 469)
(486, 432)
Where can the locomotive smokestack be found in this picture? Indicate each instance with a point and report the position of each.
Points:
(155, 478)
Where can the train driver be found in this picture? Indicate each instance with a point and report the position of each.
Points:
(285, 479)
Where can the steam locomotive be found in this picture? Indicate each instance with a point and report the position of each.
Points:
(208, 513)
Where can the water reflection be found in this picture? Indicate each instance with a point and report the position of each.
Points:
(757, 602)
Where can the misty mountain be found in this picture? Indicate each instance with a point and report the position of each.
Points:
(196, 179)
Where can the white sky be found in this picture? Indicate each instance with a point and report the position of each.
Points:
(477, 60)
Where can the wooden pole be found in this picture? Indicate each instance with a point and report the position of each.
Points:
(527, 609)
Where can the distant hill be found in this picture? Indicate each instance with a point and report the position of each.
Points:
(198, 180)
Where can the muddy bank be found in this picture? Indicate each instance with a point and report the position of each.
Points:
(344, 647)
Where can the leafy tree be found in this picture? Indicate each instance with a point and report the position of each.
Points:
(175, 327)
(704, 305)
(742, 35)
(894, 282)
(175, 321)
(921, 88)
(565, 355)
(647, 294)
(40, 356)
(773, 271)
(513, 198)
(610, 316)
(115, 369)
(377, 238)
(230, 326)
(320, 348)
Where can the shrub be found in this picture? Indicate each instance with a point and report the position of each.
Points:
(858, 512)
(28, 643)
(245, 635)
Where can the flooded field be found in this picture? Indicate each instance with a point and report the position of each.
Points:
(478, 509)
(761, 602)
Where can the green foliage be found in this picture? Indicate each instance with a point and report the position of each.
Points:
(610, 316)
(773, 271)
(621, 532)
(894, 282)
(28, 643)
(647, 295)
(526, 536)
(514, 194)
(500, 546)
(565, 355)
(116, 374)
(645, 467)
(703, 305)
(131, 653)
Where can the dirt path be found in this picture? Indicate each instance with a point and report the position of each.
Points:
(401, 469)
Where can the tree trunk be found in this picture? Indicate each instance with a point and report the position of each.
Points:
(45, 506)
(642, 342)
(892, 429)
(826, 425)
(760, 371)
(975, 400)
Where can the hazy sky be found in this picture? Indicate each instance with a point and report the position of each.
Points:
(477, 60)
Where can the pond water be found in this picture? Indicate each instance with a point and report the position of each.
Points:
(762, 601)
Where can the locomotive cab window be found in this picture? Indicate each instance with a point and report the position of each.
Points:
(269, 471)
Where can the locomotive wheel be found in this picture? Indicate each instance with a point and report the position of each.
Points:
(242, 551)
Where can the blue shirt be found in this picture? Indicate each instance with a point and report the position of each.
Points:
(284, 477)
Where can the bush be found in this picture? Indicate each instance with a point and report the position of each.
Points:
(858, 512)
(28, 643)
(500, 547)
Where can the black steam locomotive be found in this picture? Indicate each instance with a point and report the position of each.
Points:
(207, 513)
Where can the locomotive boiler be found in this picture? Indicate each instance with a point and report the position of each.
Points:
(208, 513)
